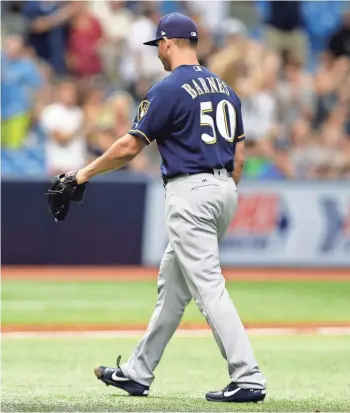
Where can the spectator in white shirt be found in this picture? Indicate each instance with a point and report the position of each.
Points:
(139, 61)
(63, 123)
(114, 18)
(213, 12)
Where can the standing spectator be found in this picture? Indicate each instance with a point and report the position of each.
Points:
(63, 123)
(84, 41)
(229, 63)
(115, 20)
(339, 42)
(284, 28)
(46, 94)
(49, 30)
(259, 104)
(12, 20)
(139, 62)
(213, 12)
(259, 110)
(20, 82)
(206, 45)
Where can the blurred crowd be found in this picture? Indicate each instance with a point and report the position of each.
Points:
(74, 72)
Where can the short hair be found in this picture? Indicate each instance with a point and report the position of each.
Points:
(181, 43)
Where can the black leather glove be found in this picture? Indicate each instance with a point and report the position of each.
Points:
(64, 189)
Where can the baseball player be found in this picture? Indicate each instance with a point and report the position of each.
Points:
(196, 120)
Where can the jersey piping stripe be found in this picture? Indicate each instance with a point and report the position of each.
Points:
(138, 131)
(239, 137)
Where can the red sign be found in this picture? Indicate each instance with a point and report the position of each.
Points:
(256, 214)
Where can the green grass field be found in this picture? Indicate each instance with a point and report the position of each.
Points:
(127, 303)
(305, 373)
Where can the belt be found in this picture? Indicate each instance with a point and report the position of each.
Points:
(205, 171)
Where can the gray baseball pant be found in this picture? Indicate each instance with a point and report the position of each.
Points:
(199, 209)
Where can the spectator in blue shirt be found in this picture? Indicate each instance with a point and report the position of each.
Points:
(20, 80)
(49, 29)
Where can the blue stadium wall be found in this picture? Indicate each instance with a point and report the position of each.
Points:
(105, 229)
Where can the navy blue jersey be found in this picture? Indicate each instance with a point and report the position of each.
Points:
(195, 119)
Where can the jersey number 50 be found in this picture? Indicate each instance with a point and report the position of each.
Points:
(225, 121)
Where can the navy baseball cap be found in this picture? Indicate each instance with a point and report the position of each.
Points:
(175, 26)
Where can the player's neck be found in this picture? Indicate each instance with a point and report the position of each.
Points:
(189, 59)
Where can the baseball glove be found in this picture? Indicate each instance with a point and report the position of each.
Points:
(64, 189)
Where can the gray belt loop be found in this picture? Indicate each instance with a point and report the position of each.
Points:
(221, 174)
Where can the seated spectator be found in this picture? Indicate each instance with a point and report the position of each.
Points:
(106, 121)
(63, 123)
(99, 129)
(331, 81)
(124, 112)
(333, 141)
(49, 30)
(20, 83)
(280, 167)
(295, 94)
(93, 101)
(140, 88)
(318, 156)
(256, 161)
(301, 141)
(339, 42)
(85, 39)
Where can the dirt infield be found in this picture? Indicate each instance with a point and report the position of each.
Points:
(144, 274)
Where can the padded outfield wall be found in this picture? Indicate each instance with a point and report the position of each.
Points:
(121, 222)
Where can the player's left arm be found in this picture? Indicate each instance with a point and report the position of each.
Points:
(239, 148)
(239, 161)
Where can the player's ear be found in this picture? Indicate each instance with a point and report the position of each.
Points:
(167, 43)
